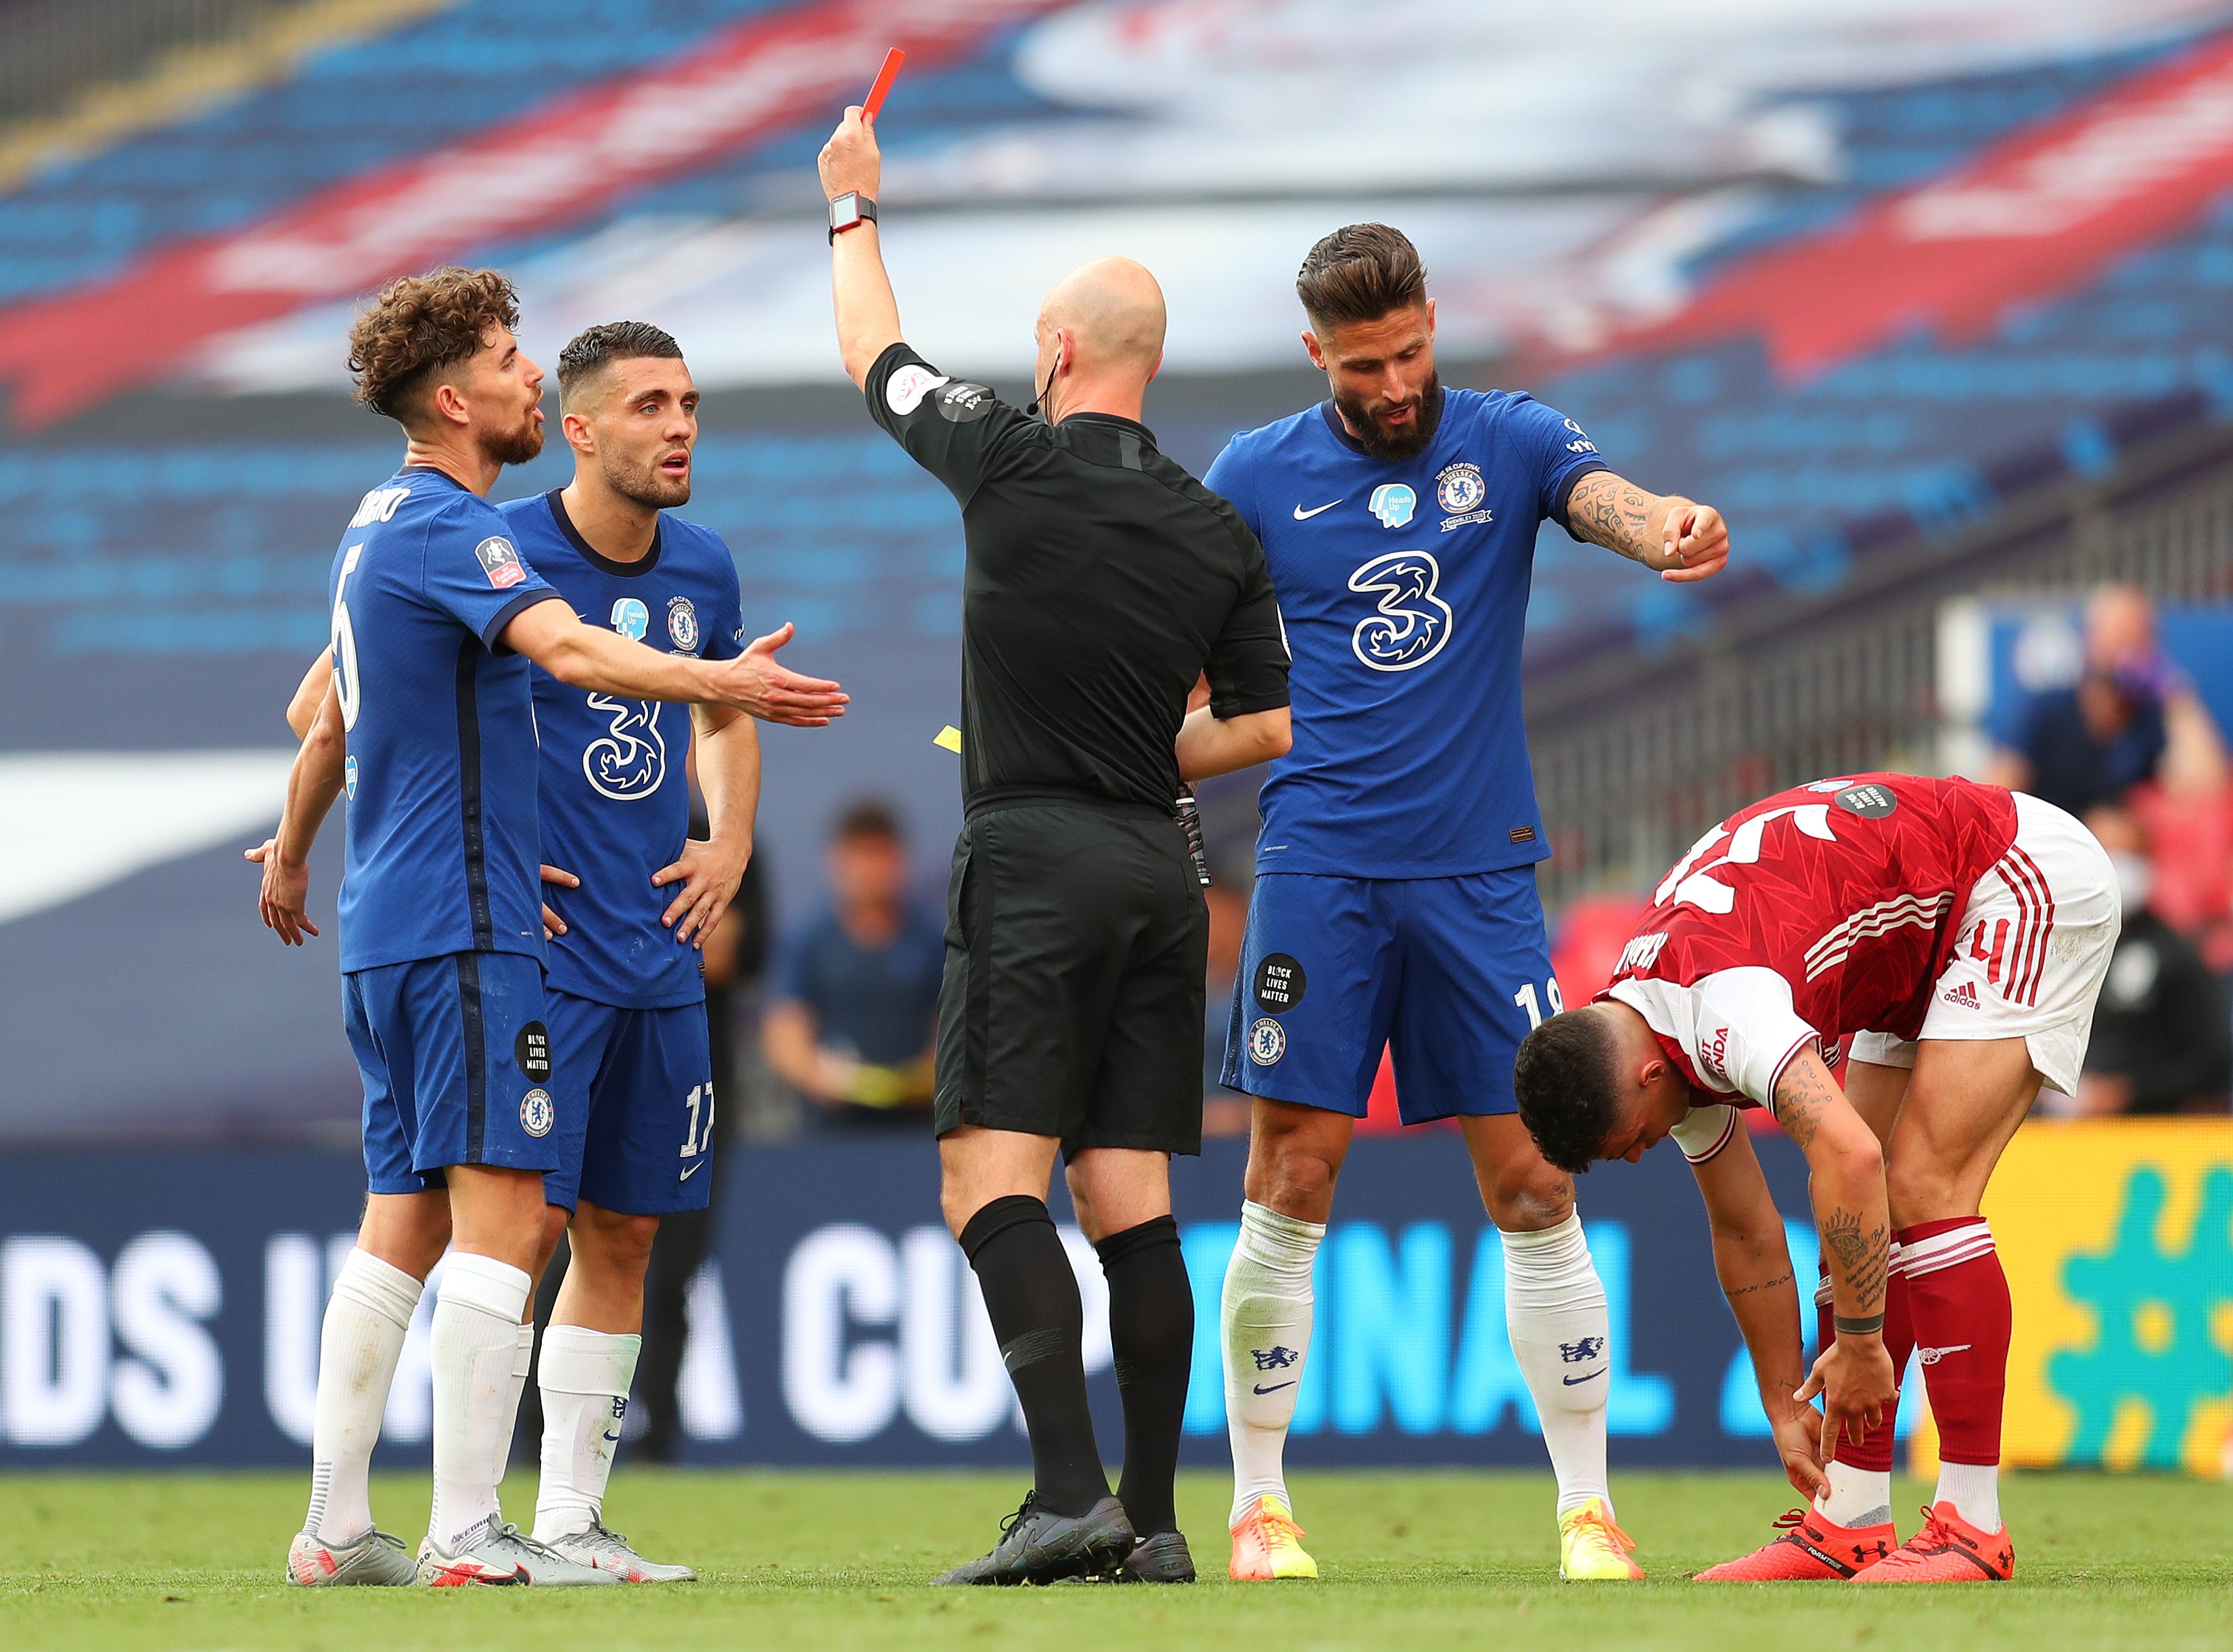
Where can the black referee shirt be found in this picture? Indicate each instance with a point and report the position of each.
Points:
(1102, 581)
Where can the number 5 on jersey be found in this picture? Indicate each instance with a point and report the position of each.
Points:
(346, 683)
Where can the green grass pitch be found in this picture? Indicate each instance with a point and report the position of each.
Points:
(1412, 1563)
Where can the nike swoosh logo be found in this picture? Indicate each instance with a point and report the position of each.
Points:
(1275, 1388)
(1571, 1381)
(694, 1170)
(612, 1439)
(1302, 514)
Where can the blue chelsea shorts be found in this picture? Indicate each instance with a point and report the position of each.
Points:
(636, 1106)
(457, 1067)
(1448, 974)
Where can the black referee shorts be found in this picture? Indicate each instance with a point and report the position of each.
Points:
(1072, 1006)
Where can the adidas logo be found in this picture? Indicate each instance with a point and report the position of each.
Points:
(1963, 997)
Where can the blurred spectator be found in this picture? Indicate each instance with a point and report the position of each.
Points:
(852, 1023)
(1224, 1112)
(2129, 718)
(2161, 1040)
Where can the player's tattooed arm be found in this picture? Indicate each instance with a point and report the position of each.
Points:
(1678, 538)
(1864, 1257)
(1853, 1374)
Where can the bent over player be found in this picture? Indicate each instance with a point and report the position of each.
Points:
(1395, 905)
(1953, 937)
(427, 721)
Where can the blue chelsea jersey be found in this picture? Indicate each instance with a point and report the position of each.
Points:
(440, 771)
(1403, 587)
(615, 790)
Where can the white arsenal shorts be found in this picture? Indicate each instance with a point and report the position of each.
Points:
(2034, 945)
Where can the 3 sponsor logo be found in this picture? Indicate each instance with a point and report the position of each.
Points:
(1410, 623)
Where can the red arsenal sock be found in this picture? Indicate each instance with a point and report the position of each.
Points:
(1958, 1298)
(1874, 1453)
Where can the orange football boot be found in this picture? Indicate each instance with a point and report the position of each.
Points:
(1810, 1549)
(1949, 1550)
(1267, 1545)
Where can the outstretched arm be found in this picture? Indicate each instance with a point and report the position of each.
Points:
(868, 314)
(1754, 1264)
(1678, 539)
(1854, 1375)
(586, 656)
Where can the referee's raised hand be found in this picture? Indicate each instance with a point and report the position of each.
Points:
(758, 685)
(850, 160)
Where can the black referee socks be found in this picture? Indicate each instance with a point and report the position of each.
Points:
(1031, 1296)
(1151, 1328)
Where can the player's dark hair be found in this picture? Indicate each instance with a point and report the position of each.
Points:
(1360, 273)
(1565, 1083)
(416, 326)
(588, 353)
(868, 817)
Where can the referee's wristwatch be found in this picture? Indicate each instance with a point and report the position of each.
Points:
(850, 211)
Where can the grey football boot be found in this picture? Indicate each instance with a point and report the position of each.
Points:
(494, 1553)
(1039, 1546)
(373, 1560)
(605, 1550)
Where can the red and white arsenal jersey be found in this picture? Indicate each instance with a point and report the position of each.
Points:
(1824, 911)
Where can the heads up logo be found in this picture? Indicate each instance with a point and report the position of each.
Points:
(1393, 503)
(631, 618)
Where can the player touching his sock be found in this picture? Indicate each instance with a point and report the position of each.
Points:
(1957, 935)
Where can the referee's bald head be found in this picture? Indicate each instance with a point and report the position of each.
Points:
(1104, 320)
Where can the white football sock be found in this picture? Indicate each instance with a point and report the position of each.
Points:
(522, 1362)
(1856, 1496)
(358, 1346)
(1974, 1489)
(1264, 1314)
(476, 1340)
(585, 1381)
(1554, 1312)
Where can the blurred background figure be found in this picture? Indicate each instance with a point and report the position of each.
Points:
(2131, 719)
(852, 1024)
(2161, 1041)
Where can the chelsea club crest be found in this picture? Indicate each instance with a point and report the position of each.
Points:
(682, 624)
(1458, 489)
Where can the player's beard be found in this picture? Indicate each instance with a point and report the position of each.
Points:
(1405, 442)
(644, 484)
(518, 445)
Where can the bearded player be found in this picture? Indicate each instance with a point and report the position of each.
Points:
(1954, 936)
(1395, 905)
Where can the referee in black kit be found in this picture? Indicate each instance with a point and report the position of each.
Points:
(1102, 583)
